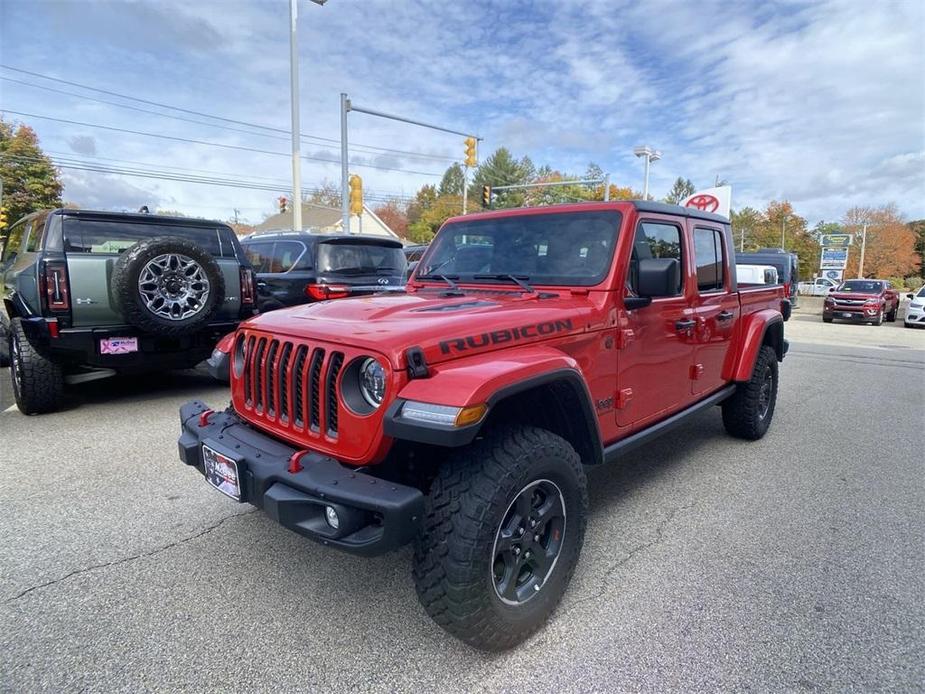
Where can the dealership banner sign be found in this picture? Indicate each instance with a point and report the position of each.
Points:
(716, 200)
(835, 240)
(834, 275)
(833, 259)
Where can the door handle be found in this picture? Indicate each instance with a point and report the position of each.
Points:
(724, 315)
(682, 325)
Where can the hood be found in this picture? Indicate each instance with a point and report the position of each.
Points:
(444, 327)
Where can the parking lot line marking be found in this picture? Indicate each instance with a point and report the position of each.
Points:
(9, 409)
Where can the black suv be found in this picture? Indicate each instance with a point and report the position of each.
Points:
(300, 267)
(89, 294)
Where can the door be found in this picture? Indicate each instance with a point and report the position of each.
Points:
(716, 309)
(656, 341)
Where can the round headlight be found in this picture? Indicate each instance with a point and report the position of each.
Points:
(372, 382)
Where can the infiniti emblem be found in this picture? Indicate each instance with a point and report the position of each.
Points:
(383, 280)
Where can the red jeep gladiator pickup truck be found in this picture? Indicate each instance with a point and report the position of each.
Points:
(863, 301)
(461, 415)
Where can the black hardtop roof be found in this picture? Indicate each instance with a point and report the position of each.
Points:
(138, 217)
(367, 239)
(665, 208)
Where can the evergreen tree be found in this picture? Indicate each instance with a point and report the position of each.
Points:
(452, 181)
(682, 188)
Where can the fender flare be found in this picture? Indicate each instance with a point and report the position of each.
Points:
(753, 338)
(490, 379)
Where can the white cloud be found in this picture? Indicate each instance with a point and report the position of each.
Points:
(819, 102)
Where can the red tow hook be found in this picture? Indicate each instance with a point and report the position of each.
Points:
(294, 464)
(204, 417)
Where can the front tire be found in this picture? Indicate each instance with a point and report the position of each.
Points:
(38, 383)
(503, 528)
(827, 319)
(879, 319)
(748, 413)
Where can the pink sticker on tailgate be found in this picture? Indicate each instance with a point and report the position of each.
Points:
(118, 345)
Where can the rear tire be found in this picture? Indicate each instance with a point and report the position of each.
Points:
(38, 382)
(493, 558)
(748, 413)
(891, 316)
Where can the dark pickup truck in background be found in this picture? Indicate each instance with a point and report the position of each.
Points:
(88, 294)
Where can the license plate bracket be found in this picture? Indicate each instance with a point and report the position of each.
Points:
(222, 472)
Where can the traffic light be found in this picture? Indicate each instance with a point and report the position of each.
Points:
(356, 195)
(486, 196)
(3, 217)
(283, 203)
(471, 159)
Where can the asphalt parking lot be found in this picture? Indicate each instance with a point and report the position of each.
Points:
(793, 563)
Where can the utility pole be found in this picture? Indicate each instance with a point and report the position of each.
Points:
(782, 242)
(344, 175)
(863, 248)
(296, 127)
(236, 210)
(465, 187)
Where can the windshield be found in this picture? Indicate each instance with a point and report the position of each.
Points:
(360, 259)
(861, 287)
(568, 248)
(921, 292)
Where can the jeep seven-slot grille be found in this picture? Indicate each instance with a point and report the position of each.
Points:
(291, 383)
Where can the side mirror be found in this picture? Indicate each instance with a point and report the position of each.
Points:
(909, 296)
(659, 277)
(831, 289)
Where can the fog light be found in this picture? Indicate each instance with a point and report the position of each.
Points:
(330, 515)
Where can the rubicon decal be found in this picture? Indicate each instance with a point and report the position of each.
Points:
(497, 337)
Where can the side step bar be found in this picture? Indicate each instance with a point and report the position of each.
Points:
(615, 450)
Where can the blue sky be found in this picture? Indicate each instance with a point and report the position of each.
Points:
(822, 103)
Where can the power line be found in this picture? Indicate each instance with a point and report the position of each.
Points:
(203, 180)
(215, 144)
(197, 113)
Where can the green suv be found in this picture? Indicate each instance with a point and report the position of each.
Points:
(89, 294)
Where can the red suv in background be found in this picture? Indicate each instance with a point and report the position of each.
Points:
(864, 301)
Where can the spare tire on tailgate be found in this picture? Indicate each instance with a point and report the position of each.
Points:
(167, 286)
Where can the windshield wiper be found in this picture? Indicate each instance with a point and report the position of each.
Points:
(446, 278)
(516, 279)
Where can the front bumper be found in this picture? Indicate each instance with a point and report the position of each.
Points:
(376, 515)
(857, 316)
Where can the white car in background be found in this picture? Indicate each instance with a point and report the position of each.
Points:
(820, 286)
(915, 311)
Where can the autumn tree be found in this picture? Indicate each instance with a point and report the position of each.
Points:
(918, 228)
(890, 246)
(328, 194)
(682, 188)
(30, 180)
(395, 215)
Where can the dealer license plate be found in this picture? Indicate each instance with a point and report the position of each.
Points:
(847, 315)
(118, 345)
(221, 472)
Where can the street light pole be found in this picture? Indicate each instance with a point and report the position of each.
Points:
(863, 248)
(344, 174)
(650, 155)
(783, 243)
(296, 127)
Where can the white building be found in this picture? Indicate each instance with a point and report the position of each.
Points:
(328, 220)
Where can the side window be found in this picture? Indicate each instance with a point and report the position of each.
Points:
(14, 241)
(260, 256)
(708, 257)
(285, 255)
(656, 240)
(36, 235)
